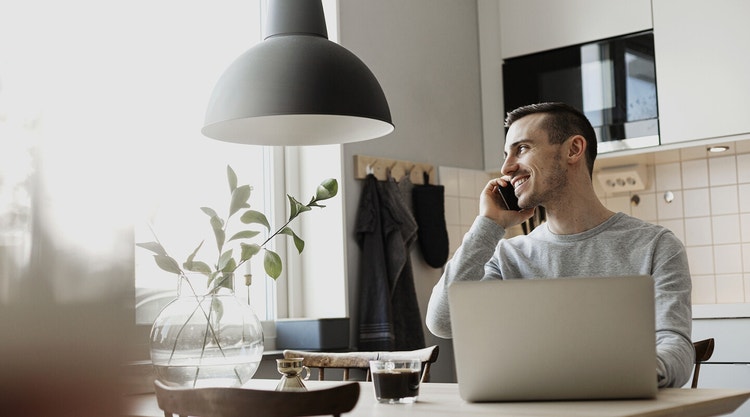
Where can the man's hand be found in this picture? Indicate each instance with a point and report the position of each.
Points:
(492, 206)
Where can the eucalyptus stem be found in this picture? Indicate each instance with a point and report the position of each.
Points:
(198, 306)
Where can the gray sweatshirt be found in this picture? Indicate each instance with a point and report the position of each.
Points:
(622, 245)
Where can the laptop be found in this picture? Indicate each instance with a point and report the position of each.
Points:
(554, 339)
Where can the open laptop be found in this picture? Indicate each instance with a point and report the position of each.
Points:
(554, 339)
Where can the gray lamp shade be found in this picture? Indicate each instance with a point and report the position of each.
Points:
(296, 87)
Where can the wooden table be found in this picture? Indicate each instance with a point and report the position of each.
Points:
(437, 399)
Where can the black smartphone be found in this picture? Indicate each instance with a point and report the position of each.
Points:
(509, 197)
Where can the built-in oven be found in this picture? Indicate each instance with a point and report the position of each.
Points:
(613, 81)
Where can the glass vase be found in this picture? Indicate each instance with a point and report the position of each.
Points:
(206, 336)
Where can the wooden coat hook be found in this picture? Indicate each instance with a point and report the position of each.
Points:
(380, 167)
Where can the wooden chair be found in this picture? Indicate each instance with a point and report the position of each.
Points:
(244, 402)
(703, 351)
(361, 360)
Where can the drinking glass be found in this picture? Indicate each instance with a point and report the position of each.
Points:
(396, 381)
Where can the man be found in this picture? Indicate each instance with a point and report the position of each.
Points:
(549, 158)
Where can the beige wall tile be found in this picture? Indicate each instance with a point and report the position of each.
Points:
(696, 202)
(701, 260)
(466, 181)
(745, 227)
(729, 289)
(646, 208)
(618, 203)
(727, 259)
(704, 289)
(452, 213)
(722, 170)
(698, 231)
(695, 174)
(449, 180)
(726, 229)
(724, 200)
(673, 210)
(744, 197)
(746, 258)
(743, 168)
(468, 209)
(668, 177)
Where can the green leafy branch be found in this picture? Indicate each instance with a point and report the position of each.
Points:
(227, 262)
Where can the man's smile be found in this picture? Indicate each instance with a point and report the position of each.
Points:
(517, 182)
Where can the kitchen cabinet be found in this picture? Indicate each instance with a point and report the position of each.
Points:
(529, 26)
(729, 366)
(702, 68)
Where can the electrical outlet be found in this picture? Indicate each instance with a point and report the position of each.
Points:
(623, 178)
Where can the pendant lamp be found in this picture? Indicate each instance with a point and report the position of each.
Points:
(296, 87)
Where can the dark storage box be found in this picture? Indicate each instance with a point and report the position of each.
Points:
(313, 334)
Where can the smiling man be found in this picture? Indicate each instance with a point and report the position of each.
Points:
(550, 150)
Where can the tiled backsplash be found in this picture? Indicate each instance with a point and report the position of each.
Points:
(709, 212)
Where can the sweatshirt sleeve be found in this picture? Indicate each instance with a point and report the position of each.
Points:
(469, 263)
(674, 347)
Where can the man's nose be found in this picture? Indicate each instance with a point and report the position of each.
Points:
(509, 166)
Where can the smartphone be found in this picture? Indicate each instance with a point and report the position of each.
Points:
(509, 197)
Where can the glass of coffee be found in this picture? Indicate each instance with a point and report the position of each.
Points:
(396, 381)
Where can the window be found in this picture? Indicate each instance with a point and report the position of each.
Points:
(171, 212)
(101, 114)
(106, 107)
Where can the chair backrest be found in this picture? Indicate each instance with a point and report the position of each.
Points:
(361, 360)
(703, 351)
(234, 402)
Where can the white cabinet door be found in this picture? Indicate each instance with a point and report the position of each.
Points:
(529, 26)
(702, 68)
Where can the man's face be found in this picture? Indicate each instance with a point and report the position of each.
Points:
(535, 167)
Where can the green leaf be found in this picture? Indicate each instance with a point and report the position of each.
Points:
(230, 266)
(209, 211)
(252, 216)
(167, 263)
(245, 234)
(240, 195)
(248, 251)
(224, 259)
(327, 189)
(298, 243)
(295, 207)
(225, 280)
(154, 247)
(192, 255)
(198, 266)
(272, 264)
(218, 226)
(232, 177)
(217, 307)
(212, 277)
(188, 264)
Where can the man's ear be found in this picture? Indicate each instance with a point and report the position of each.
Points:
(576, 149)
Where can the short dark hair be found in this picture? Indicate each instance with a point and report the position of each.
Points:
(562, 122)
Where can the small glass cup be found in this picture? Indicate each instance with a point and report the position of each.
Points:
(396, 381)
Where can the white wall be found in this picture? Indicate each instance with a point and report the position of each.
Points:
(425, 55)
